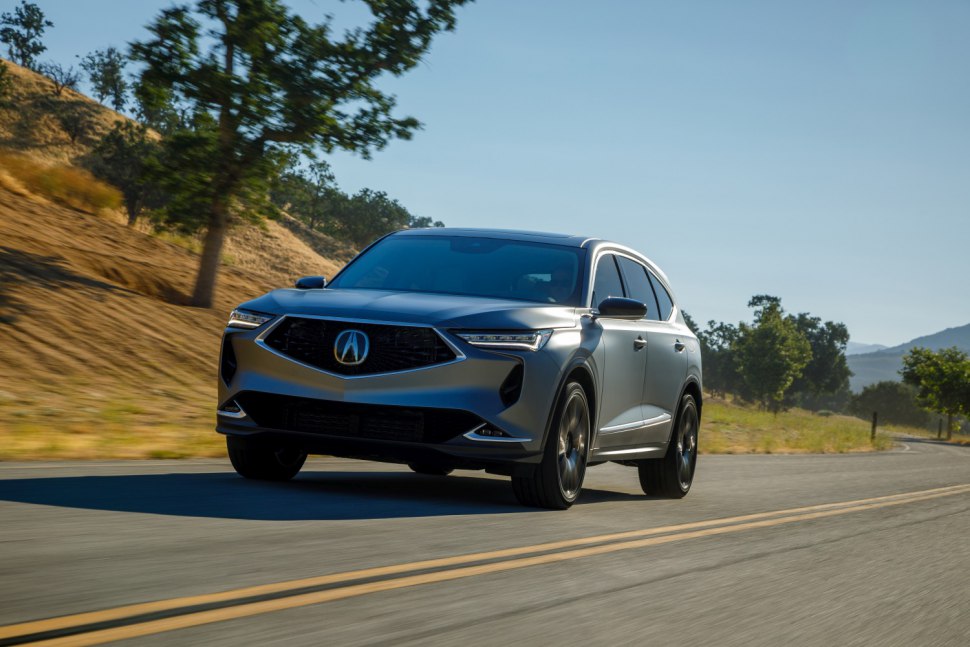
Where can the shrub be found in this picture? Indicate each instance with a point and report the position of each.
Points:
(67, 185)
(894, 401)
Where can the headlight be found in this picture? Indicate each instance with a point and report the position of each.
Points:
(247, 319)
(528, 340)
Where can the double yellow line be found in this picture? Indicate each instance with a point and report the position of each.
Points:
(132, 621)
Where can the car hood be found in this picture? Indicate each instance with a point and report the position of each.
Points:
(440, 310)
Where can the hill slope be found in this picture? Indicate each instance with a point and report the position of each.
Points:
(33, 123)
(869, 368)
(96, 347)
(94, 341)
(855, 348)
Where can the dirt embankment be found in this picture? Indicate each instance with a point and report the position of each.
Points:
(98, 356)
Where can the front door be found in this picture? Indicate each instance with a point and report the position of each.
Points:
(625, 359)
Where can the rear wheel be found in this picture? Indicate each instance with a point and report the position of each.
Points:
(255, 459)
(672, 475)
(430, 469)
(558, 479)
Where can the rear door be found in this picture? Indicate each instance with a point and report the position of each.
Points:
(667, 365)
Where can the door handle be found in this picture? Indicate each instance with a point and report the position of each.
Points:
(639, 343)
(679, 346)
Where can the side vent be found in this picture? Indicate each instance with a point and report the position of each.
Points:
(511, 388)
(227, 360)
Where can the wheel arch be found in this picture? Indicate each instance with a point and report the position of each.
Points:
(580, 372)
(693, 388)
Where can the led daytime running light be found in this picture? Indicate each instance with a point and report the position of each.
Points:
(530, 340)
(246, 319)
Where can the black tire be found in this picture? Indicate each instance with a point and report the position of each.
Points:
(430, 469)
(558, 479)
(672, 475)
(262, 461)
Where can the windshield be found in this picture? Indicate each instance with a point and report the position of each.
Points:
(481, 267)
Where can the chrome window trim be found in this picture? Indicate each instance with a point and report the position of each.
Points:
(639, 424)
(261, 342)
(619, 251)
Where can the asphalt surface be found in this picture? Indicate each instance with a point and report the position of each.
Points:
(80, 537)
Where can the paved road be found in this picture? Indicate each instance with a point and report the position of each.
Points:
(84, 537)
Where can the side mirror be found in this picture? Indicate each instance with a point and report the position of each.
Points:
(620, 308)
(311, 283)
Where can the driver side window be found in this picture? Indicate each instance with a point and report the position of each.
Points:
(607, 282)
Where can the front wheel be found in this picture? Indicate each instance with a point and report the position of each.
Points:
(255, 459)
(558, 479)
(672, 475)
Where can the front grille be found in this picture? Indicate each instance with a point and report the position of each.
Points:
(392, 348)
(346, 419)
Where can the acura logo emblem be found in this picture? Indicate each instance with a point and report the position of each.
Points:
(351, 347)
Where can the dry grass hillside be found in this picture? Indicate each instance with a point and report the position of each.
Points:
(98, 355)
(96, 349)
(32, 124)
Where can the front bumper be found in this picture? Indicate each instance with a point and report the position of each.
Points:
(426, 414)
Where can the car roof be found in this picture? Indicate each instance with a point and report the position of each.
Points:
(568, 240)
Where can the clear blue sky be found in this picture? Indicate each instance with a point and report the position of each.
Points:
(817, 151)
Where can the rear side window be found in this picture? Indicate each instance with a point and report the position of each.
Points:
(607, 283)
(638, 285)
(663, 298)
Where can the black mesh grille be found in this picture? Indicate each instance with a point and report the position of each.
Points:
(347, 419)
(392, 348)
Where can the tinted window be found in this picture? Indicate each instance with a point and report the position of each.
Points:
(663, 298)
(638, 285)
(608, 282)
(482, 267)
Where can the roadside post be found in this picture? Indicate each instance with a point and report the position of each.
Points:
(875, 417)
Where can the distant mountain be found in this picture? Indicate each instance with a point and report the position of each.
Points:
(855, 348)
(869, 368)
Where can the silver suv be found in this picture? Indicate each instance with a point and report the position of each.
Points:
(525, 354)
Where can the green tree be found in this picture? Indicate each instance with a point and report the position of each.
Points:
(106, 71)
(825, 379)
(422, 222)
(942, 380)
(718, 351)
(21, 32)
(128, 157)
(75, 120)
(895, 402)
(269, 81)
(368, 215)
(771, 353)
(307, 194)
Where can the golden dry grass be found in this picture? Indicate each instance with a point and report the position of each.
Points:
(62, 183)
(728, 428)
(30, 123)
(98, 357)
